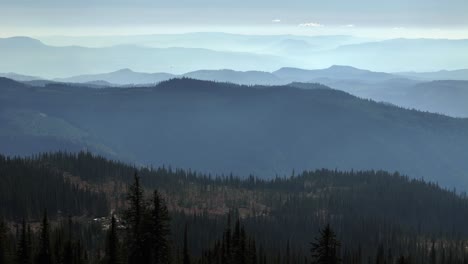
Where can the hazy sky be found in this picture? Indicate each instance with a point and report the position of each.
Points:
(405, 18)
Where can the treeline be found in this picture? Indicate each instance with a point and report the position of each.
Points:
(355, 202)
(27, 186)
(143, 236)
(378, 217)
(65, 241)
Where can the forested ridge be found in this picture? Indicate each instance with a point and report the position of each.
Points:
(222, 128)
(377, 217)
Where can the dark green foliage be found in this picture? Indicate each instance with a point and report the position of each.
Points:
(159, 230)
(326, 248)
(23, 251)
(44, 255)
(134, 216)
(73, 251)
(380, 257)
(68, 252)
(3, 242)
(112, 244)
(27, 186)
(186, 254)
(62, 244)
(235, 247)
(365, 209)
(403, 260)
(147, 227)
(433, 254)
(240, 129)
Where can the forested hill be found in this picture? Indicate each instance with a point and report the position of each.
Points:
(368, 209)
(223, 128)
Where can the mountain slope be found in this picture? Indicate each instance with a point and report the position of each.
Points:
(334, 72)
(120, 77)
(19, 77)
(277, 212)
(461, 75)
(32, 57)
(445, 97)
(279, 77)
(238, 77)
(215, 51)
(129, 77)
(226, 128)
(389, 55)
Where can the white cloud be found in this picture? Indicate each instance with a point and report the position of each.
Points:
(276, 21)
(310, 24)
(350, 25)
(398, 28)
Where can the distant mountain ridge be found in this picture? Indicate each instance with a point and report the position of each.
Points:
(19, 77)
(447, 97)
(187, 53)
(31, 56)
(279, 77)
(333, 72)
(223, 128)
(461, 75)
(283, 75)
(120, 77)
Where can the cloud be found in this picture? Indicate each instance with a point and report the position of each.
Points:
(276, 21)
(398, 28)
(310, 24)
(350, 26)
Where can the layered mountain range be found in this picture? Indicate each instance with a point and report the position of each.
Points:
(223, 128)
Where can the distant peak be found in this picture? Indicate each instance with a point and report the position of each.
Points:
(7, 81)
(21, 41)
(22, 38)
(287, 69)
(125, 70)
(345, 69)
(342, 67)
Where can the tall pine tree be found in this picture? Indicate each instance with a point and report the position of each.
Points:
(134, 217)
(3, 242)
(112, 244)
(159, 230)
(22, 252)
(325, 248)
(44, 255)
(186, 253)
(68, 250)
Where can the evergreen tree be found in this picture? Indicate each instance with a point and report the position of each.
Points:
(159, 230)
(29, 244)
(23, 253)
(325, 248)
(380, 257)
(78, 253)
(186, 253)
(403, 260)
(433, 256)
(68, 251)
(242, 247)
(232, 249)
(134, 215)
(44, 255)
(252, 252)
(3, 242)
(112, 244)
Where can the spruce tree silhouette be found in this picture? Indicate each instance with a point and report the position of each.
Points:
(325, 248)
(44, 256)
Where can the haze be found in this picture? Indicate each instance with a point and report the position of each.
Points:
(389, 19)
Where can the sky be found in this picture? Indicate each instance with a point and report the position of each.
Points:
(366, 18)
